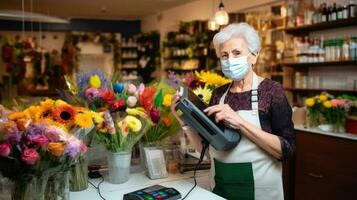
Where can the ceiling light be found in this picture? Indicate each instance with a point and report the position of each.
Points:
(212, 25)
(221, 16)
(30, 16)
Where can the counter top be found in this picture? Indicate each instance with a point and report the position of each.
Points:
(318, 131)
(181, 182)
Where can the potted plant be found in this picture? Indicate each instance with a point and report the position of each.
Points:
(351, 120)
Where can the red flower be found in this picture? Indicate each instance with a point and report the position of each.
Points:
(107, 96)
(118, 105)
(146, 99)
(4, 150)
(30, 156)
(155, 115)
(64, 114)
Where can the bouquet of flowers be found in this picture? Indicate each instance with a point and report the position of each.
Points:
(37, 143)
(326, 109)
(125, 112)
(165, 123)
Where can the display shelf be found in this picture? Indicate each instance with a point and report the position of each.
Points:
(306, 29)
(132, 58)
(180, 70)
(319, 64)
(180, 58)
(129, 47)
(306, 90)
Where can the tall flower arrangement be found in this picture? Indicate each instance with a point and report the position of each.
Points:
(38, 142)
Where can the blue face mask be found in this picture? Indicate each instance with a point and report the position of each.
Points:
(235, 68)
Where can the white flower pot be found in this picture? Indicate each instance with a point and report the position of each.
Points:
(326, 127)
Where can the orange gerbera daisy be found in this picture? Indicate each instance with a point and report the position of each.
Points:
(64, 114)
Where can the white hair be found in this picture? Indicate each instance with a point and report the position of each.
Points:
(238, 30)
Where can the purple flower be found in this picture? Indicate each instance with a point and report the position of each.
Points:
(13, 137)
(53, 133)
(73, 147)
(92, 93)
(37, 129)
(173, 80)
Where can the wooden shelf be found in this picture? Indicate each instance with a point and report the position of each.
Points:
(180, 58)
(136, 58)
(130, 47)
(306, 90)
(319, 64)
(180, 70)
(304, 30)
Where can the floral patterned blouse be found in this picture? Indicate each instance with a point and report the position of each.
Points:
(275, 113)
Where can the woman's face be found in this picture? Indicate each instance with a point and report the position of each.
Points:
(234, 48)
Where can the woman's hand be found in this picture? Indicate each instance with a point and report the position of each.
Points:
(226, 113)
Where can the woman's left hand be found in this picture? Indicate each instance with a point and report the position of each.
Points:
(226, 113)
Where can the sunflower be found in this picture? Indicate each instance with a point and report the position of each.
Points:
(43, 113)
(50, 122)
(60, 103)
(64, 114)
(204, 93)
(32, 111)
(47, 104)
(211, 79)
(16, 115)
(83, 119)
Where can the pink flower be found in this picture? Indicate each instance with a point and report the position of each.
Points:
(92, 93)
(131, 101)
(141, 88)
(131, 88)
(30, 156)
(83, 147)
(338, 102)
(40, 140)
(4, 150)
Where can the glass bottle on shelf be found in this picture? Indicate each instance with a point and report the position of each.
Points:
(345, 50)
(329, 13)
(321, 50)
(345, 10)
(353, 48)
(334, 12)
(309, 13)
(352, 9)
(339, 12)
(324, 14)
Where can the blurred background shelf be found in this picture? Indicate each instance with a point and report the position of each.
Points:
(319, 64)
(304, 30)
(308, 90)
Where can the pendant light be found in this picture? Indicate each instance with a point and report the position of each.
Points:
(221, 16)
(212, 25)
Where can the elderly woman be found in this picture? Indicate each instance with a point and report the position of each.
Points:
(259, 110)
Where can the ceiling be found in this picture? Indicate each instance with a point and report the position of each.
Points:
(99, 9)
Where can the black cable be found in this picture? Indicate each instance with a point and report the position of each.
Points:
(98, 187)
(204, 148)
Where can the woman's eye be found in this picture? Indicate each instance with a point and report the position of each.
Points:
(236, 53)
(224, 56)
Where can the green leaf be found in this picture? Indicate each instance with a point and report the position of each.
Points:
(158, 99)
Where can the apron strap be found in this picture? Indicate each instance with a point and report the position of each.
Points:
(254, 98)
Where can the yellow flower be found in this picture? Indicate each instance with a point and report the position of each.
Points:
(133, 123)
(60, 103)
(34, 112)
(211, 79)
(323, 98)
(327, 104)
(83, 119)
(124, 129)
(54, 123)
(167, 100)
(97, 117)
(94, 81)
(310, 102)
(47, 104)
(204, 93)
(16, 115)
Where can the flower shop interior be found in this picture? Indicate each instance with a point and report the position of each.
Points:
(87, 89)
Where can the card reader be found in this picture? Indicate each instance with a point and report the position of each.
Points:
(221, 136)
(155, 192)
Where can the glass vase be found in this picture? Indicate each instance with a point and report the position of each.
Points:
(119, 166)
(152, 159)
(78, 175)
(30, 188)
(58, 187)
